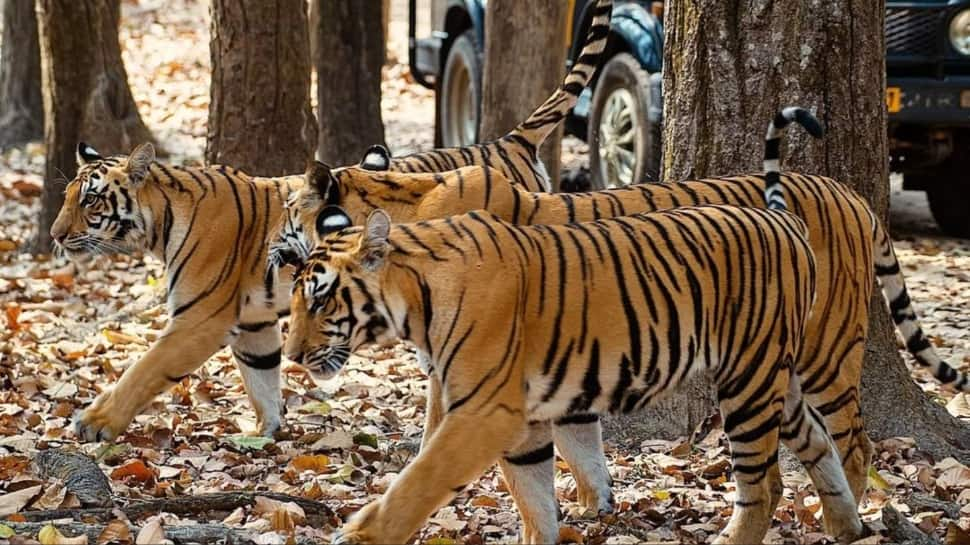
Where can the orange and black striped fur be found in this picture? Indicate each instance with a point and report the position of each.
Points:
(209, 226)
(523, 325)
(848, 241)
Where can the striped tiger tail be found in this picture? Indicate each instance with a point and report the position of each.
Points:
(774, 193)
(900, 307)
(550, 113)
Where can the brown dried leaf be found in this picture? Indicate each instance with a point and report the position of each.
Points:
(116, 531)
(135, 470)
(50, 535)
(15, 501)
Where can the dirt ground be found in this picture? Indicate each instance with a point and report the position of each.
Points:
(66, 335)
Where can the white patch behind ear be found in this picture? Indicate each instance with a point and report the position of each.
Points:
(336, 222)
(376, 158)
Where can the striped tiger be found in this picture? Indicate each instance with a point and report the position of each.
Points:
(210, 227)
(848, 240)
(581, 318)
(122, 204)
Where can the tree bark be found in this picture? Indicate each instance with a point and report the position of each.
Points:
(351, 48)
(86, 93)
(728, 67)
(525, 59)
(260, 119)
(21, 105)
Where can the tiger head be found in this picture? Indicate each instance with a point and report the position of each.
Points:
(101, 214)
(337, 305)
(358, 190)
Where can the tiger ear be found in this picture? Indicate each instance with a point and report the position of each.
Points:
(376, 158)
(86, 154)
(331, 219)
(139, 162)
(321, 179)
(373, 243)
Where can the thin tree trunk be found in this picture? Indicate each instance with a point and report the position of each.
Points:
(260, 119)
(351, 48)
(525, 59)
(21, 105)
(728, 67)
(86, 93)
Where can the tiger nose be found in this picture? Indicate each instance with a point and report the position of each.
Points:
(58, 233)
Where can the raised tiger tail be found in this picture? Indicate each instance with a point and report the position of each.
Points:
(774, 193)
(900, 307)
(550, 113)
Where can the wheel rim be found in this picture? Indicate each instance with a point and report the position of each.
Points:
(462, 122)
(617, 138)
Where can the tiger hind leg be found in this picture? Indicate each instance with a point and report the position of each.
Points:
(752, 420)
(804, 432)
(530, 475)
(257, 353)
(579, 440)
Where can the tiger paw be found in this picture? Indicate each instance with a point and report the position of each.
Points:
(597, 500)
(362, 528)
(102, 421)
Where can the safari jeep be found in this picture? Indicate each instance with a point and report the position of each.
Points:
(928, 98)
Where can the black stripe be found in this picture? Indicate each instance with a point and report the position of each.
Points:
(578, 418)
(267, 361)
(536, 456)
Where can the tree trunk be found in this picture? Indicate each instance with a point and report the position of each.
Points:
(525, 59)
(86, 93)
(351, 48)
(260, 119)
(728, 67)
(21, 105)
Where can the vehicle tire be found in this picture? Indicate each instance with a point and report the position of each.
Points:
(623, 144)
(458, 100)
(949, 196)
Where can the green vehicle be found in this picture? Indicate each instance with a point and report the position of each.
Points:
(928, 97)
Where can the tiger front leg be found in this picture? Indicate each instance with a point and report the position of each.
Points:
(464, 445)
(257, 352)
(179, 352)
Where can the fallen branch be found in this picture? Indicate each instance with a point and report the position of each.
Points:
(902, 531)
(316, 512)
(206, 534)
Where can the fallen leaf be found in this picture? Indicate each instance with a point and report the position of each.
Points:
(15, 501)
(316, 407)
(484, 501)
(366, 439)
(151, 533)
(7, 245)
(52, 498)
(63, 280)
(135, 469)
(337, 440)
(49, 535)
(6, 531)
(116, 531)
(12, 312)
(956, 535)
(959, 406)
(250, 442)
(309, 462)
(568, 534)
(876, 481)
(117, 337)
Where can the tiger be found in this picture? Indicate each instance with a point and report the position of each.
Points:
(591, 317)
(849, 241)
(210, 228)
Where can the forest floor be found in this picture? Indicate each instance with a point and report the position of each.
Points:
(65, 335)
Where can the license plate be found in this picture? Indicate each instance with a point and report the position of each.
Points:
(894, 99)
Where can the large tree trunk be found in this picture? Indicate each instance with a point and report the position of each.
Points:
(525, 59)
(86, 93)
(260, 119)
(728, 68)
(351, 48)
(21, 105)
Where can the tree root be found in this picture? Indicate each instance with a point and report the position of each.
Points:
(317, 513)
